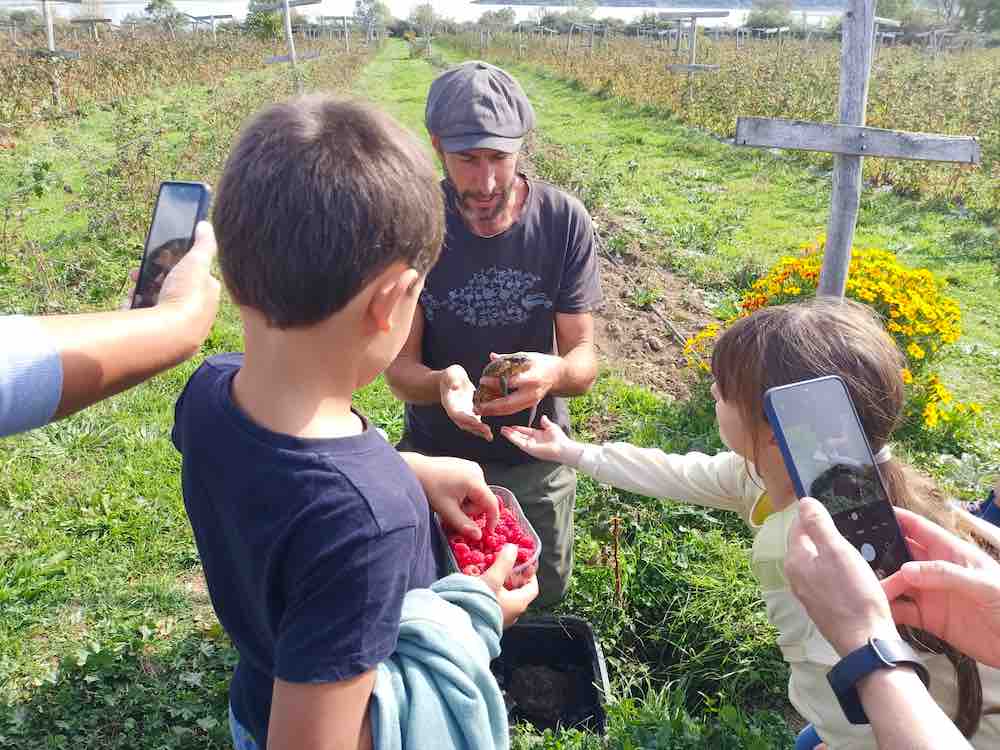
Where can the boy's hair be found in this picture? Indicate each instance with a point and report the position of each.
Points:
(319, 195)
(829, 336)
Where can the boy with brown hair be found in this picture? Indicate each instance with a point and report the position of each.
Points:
(310, 526)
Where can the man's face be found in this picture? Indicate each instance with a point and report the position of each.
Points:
(484, 179)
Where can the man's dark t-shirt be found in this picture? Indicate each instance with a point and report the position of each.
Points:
(501, 294)
(308, 545)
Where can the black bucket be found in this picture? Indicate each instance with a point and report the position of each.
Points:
(552, 673)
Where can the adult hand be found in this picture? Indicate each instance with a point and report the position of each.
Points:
(549, 443)
(456, 489)
(526, 388)
(512, 603)
(951, 590)
(190, 288)
(456, 398)
(836, 586)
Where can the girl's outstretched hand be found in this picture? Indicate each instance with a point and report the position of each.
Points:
(547, 444)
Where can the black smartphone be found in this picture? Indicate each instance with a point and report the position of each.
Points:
(828, 458)
(179, 208)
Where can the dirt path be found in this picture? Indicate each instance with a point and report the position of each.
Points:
(640, 337)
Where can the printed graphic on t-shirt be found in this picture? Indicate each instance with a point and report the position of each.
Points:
(492, 297)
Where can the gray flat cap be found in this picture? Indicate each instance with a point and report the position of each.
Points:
(478, 105)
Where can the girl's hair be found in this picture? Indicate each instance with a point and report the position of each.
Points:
(829, 336)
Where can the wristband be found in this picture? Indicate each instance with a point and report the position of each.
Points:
(876, 654)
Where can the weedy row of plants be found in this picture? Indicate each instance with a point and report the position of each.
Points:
(34, 89)
(955, 94)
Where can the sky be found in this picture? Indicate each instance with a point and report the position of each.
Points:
(460, 10)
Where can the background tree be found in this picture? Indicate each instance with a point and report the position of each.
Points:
(498, 19)
(898, 10)
(22, 18)
(424, 19)
(769, 14)
(981, 15)
(165, 14)
(947, 10)
(261, 23)
(372, 12)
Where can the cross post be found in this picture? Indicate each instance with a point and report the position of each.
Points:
(285, 7)
(92, 23)
(692, 67)
(850, 141)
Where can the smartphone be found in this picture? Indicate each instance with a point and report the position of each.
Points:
(828, 458)
(179, 208)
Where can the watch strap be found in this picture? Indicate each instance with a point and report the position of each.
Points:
(878, 653)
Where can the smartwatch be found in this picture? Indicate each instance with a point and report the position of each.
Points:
(876, 654)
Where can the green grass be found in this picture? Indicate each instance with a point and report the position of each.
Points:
(719, 215)
(107, 638)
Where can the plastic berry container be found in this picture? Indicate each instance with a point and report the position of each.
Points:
(520, 573)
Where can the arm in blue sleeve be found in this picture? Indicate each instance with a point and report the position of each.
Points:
(31, 375)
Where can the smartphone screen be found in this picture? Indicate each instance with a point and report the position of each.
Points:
(179, 207)
(828, 457)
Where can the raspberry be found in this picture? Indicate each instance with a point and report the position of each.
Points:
(490, 559)
(472, 570)
(522, 555)
(476, 557)
(461, 549)
(489, 542)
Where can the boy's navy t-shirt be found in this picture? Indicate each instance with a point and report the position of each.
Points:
(308, 545)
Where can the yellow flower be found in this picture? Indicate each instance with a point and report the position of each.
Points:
(975, 408)
(931, 415)
(907, 375)
(915, 351)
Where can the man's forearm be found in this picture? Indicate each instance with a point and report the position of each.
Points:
(414, 382)
(105, 353)
(579, 371)
(903, 714)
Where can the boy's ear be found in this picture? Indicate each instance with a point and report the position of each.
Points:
(390, 287)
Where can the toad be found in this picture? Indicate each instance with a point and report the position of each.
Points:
(503, 368)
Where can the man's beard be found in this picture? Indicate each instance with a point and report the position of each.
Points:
(473, 213)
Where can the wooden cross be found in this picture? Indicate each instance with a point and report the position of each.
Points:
(284, 6)
(92, 23)
(211, 20)
(345, 21)
(51, 51)
(850, 141)
(691, 17)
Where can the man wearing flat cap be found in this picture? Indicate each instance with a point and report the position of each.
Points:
(518, 273)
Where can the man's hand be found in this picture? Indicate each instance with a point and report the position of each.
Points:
(512, 603)
(190, 286)
(526, 388)
(549, 443)
(456, 398)
(456, 490)
(834, 583)
(951, 590)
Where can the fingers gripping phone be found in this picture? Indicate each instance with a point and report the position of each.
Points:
(179, 208)
(828, 458)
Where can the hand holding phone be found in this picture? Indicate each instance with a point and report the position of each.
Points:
(828, 458)
(179, 208)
